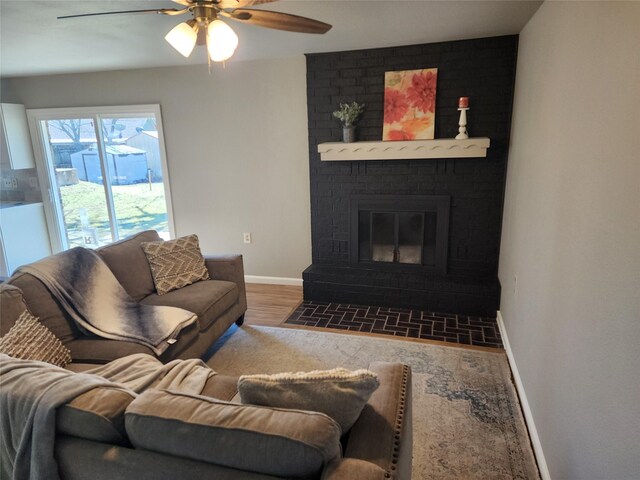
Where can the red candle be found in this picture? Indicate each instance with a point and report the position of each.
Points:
(463, 102)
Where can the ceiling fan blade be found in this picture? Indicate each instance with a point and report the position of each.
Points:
(241, 3)
(164, 11)
(279, 21)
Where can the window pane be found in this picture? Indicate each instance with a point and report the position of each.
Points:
(78, 179)
(135, 169)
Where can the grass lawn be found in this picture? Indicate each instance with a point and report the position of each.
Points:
(137, 208)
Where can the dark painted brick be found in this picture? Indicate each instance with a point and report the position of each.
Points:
(484, 70)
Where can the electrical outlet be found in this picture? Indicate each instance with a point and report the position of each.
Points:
(14, 183)
(246, 237)
(6, 183)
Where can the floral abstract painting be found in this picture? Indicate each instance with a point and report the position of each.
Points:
(409, 104)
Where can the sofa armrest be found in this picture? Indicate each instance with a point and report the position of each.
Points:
(383, 433)
(353, 469)
(231, 269)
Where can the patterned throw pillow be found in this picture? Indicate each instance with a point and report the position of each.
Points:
(175, 263)
(339, 393)
(28, 339)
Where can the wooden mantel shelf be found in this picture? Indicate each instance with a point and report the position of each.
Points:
(402, 150)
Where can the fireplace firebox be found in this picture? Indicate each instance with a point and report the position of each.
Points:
(400, 232)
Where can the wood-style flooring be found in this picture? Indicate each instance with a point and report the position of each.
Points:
(271, 305)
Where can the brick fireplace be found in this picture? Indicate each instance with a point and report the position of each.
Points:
(433, 225)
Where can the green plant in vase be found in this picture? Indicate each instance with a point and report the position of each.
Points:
(348, 114)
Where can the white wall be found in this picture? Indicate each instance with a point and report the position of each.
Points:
(571, 235)
(237, 149)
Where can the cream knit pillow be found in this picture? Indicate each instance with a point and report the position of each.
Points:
(175, 263)
(338, 393)
(28, 339)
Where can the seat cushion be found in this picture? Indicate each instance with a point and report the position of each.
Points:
(129, 264)
(101, 350)
(284, 443)
(208, 299)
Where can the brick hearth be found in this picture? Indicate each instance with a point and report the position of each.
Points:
(464, 329)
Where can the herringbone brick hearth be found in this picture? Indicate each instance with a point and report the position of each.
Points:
(445, 327)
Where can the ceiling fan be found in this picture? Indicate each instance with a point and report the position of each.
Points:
(205, 26)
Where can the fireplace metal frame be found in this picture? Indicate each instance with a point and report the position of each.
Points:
(439, 204)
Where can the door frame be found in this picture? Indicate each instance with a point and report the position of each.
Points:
(46, 174)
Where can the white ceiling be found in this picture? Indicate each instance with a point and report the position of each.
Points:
(34, 42)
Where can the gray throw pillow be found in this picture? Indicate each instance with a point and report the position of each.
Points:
(28, 339)
(339, 393)
(175, 263)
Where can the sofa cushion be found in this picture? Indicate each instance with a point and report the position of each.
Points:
(11, 306)
(28, 339)
(129, 264)
(42, 305)
(339, 393)
(96, 415)
(285, 443)
(222, 387)
(207, 299)
(101, 350)
(175, 263)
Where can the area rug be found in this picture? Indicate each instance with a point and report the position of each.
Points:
(467, 422)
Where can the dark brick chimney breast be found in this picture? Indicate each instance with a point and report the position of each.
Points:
(481, 69)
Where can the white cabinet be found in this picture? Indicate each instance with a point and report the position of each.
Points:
(15, 142)
(24, 237)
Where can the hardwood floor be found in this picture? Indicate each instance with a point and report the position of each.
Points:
(271, 304)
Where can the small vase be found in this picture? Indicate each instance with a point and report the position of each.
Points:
(349, 134)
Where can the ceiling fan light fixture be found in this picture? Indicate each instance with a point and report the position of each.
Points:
(222, 41)
(183, 38)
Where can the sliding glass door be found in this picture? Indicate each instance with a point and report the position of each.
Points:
(104, 171)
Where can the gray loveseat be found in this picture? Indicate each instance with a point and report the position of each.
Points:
(218, 302)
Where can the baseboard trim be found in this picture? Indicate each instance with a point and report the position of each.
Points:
(528, 416)
(273, 280)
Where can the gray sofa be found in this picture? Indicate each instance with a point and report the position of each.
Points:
(211, 437)
(105, 434)
(218, 302)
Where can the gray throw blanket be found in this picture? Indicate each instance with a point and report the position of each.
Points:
(87, 289)
(31, 391)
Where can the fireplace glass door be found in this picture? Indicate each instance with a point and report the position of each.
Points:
(397, 237)
(400, 232)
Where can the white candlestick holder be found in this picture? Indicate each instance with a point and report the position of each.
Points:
(462, 125)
